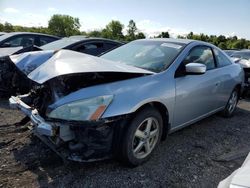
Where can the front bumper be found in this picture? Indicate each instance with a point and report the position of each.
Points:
(80, 141)
(40, 125)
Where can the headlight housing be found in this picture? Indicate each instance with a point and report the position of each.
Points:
(87, 109)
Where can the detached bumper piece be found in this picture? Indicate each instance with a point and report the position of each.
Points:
(77, 141)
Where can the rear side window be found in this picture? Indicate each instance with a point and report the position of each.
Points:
(94, 48)
(110, 46)
(221, 59)
(203, 55)
(24, 41)
(45, 40)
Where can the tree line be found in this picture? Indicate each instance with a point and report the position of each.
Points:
(65, 25)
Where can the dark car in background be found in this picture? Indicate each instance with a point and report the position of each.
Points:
(88, 45)
(92, 46)
(12, 80)
(25, 39)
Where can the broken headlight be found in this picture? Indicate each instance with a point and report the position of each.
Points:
(87, 109)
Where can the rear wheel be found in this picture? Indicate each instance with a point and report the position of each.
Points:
(231, 104)
(142, 137)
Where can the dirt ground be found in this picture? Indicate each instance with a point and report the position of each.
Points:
(197, 156)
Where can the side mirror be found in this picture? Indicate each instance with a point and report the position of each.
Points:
(6, 45)
(195, 68)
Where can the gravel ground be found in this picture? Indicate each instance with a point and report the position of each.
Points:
(196, 156)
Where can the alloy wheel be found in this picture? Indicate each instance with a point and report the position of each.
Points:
(232, 101)
(145, 138)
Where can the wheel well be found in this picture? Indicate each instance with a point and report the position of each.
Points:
(164, 114)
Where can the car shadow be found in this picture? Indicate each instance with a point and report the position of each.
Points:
(186, 159)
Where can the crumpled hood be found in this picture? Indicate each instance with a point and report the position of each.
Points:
(9, 51)
(27, 62)
(50, 64)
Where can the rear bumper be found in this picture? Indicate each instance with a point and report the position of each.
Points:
(81, 141)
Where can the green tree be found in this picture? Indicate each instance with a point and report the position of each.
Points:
(190, 35)
(222, 45)
(180, 37)
(113, 30)
(236, 45)
(221, 38)
(64, 25)
(1, 27)
(95, 33)
(163, 35)
(140, 35)
(132, 29)
(8, 27)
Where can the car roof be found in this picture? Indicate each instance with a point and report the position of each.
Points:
(72, 40)
(82, 38)
(30, 33)
(182, 41)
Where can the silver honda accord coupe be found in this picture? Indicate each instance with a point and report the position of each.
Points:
(125, 102)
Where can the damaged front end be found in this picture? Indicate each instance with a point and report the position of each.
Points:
(74, 131)
(74, 140)
(66, 110)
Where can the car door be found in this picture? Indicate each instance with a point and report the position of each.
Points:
(225, 71)
(196, 95)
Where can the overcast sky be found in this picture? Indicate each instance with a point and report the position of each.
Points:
(227, 17)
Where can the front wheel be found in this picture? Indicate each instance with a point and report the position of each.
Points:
(231, 104)
(142, 137)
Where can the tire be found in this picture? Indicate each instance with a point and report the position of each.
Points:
(142, 137)
(231, 104)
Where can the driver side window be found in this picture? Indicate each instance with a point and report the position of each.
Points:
(201, 54)
(24, 41)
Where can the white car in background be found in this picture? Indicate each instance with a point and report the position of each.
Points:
(243, 58)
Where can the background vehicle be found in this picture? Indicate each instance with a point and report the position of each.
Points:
(92, 46)
(12, 80)
(25, 39)
(124, 102)
(230, 52)
(243, 58)
(2, 33)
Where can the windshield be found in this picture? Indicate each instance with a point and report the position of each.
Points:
(59, 44)
(154, 56)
